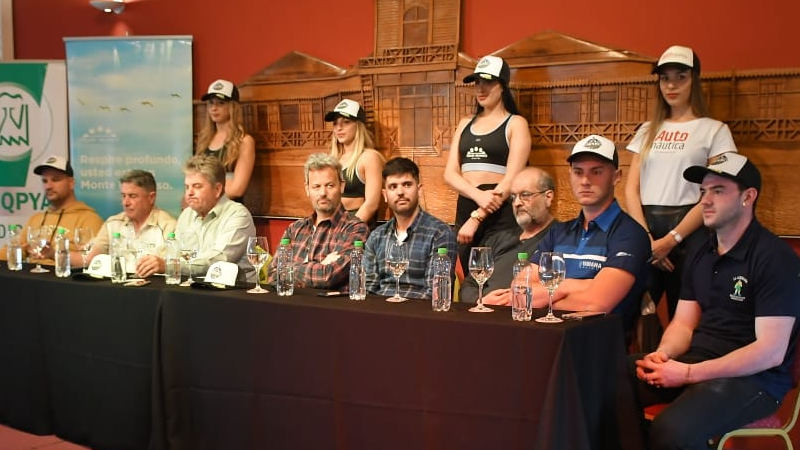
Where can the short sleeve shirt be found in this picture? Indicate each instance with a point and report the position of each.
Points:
(613, 239)
(758, 277)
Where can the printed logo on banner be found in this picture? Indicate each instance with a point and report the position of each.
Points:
(25, 128)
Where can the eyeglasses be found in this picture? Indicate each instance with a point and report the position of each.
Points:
(525, 195)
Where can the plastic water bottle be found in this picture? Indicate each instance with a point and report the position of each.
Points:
(118, 251)
(172, 260)
(521, 308)
(284, 279)
(14, 248)
(62, 253)
(442, 290)
(358, 278)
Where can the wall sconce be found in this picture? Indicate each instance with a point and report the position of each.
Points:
(115, 6)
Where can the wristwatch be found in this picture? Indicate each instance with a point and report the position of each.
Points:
(476, 215)
(677, 236)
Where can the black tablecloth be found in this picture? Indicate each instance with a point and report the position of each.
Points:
(250, 372)
(76, 359)
(231, 370)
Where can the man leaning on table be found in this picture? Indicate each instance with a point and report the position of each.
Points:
(321, 242)
(725, 358)
(63, 209)
(140, 218)
(605, 250)
(422, 233)
(532, 192)
(218, 226)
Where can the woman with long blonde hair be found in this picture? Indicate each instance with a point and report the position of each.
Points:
(225, 138)
(680, 134)
(352, 144)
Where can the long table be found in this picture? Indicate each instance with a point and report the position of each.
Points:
(178, 368)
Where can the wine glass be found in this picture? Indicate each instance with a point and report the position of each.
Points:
(37, 240)
(397, 262)
(481, 267)
(552, 269)
(257, 254)
(189, 247)
(83, 239)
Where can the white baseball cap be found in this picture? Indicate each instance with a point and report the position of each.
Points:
(222, 89)
(350, 109)
(55, 162)
(490, 68)
(596, 145)
(729, 165)
(680, 55)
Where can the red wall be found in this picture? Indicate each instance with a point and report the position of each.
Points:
(237, 41)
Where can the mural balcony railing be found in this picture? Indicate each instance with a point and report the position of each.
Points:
(292, 139)
(423, 54)
(766, 130)
(570, 133)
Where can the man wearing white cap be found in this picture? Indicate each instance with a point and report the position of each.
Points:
(605, 250)
(63, 209)
(725, 358)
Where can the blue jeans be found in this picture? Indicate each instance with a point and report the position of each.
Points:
(702, 411)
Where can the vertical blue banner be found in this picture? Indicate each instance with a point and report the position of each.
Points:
(130, 107)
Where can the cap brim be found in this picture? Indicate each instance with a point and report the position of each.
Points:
(39, 169)
(331, 116)
(695, 174)
(215, 95)
(658, 69)
(473, 77)
(594, 154)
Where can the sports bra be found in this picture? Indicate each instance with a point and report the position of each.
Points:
(484, 152)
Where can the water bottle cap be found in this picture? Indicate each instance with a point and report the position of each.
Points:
(170, 235)
(442, 250)
(116, 235)
(12, 227)
(286, 241)
(358, 244)
(522, 256)
(62, 230)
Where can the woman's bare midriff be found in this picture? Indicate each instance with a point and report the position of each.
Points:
(476, 178)
(352, 203)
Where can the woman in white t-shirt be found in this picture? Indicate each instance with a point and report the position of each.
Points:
(679, 135)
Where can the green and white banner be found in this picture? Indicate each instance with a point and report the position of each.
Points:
(33, 126)
(130, 107)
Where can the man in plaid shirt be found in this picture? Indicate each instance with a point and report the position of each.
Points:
(322, 242)
(422, 233)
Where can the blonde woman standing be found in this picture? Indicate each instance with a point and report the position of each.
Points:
(225, 138)
(679, 135)
(352, 145)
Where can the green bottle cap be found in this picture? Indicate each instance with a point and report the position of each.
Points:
(522, 256)
(170, 235)
(117, 235)
(62, 230)
(358, 244)
(442, 250)
(286, 241)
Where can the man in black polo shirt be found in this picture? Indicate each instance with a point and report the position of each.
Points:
(724, 360)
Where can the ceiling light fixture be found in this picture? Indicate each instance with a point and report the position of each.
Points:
(115, 6)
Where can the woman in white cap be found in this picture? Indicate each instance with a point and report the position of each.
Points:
(352, 144)
(224, 137)
(487, 151)
(679, 135)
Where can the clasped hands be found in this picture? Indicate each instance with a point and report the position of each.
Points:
(489, 202)
(659, 370)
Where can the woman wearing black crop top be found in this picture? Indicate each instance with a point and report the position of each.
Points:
(486, 152)
(352, 144)
(224, 137)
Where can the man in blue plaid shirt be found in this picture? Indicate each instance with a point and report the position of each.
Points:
(322, 242)
(422, 233)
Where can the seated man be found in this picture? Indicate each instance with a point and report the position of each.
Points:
(605, 250)
(422, 233)
(140, 219)
(532, 192)
(63, 209)
(724, 360)
(321, 242)
(220, 225)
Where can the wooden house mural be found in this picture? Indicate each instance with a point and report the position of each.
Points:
(566, 88)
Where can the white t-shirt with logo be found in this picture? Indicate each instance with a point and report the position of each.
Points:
(678, 145)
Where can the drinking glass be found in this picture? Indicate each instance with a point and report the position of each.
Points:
(552, 269)
(83, 239)
(397, 262)
(257, 254)
(481, 267)
(37, 241)
(189, 247)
